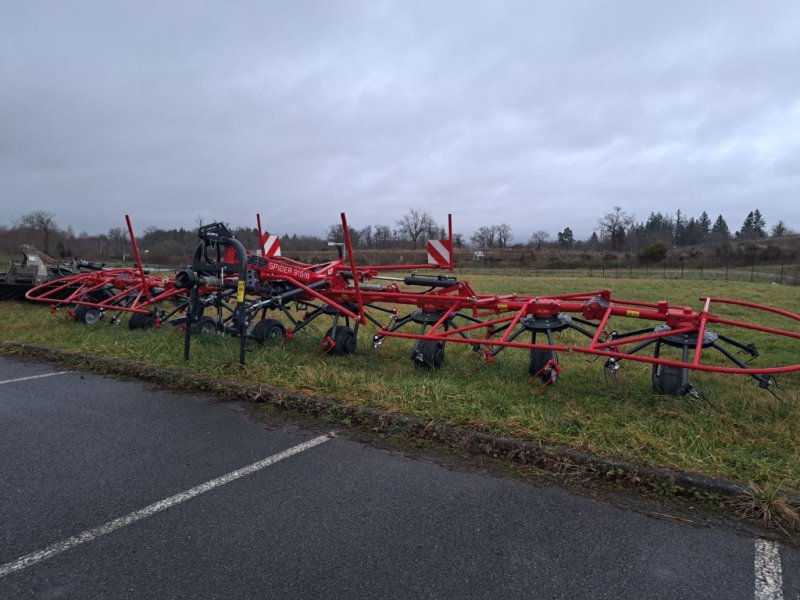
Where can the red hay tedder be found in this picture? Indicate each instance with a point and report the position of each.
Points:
(230, 290)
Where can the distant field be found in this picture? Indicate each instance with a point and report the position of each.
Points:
(740, 432)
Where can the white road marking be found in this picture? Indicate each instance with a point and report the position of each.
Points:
(769, 579)
(91, 534)
(33, 377)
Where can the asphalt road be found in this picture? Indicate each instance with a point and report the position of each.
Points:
(336, 520)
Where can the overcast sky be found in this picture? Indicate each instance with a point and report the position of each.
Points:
(539, 114)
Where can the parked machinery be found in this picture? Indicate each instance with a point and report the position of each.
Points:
(36, 268)
(435, 311)
(255, 296)
(89, 296)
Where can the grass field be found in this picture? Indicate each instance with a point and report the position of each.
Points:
(738, 432)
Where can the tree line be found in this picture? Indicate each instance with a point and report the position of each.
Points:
(616, 231)
(620, 230)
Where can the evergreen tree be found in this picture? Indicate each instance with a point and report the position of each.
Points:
(720, 228)
(694, 232)
(680, 229)
(780, 229)
(705, 223)
(753, 226)
(660, 226)
(759, 224)
(566, 238)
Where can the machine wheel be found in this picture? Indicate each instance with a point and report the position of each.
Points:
(670, 381)
(428, 354)
(205, 326)
(268, 330)
(140, 321)
(344, 341)
(87, 314)
(537, 363)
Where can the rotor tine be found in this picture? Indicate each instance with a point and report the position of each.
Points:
(776, 396)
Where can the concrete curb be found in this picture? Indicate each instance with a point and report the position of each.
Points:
(555, 459)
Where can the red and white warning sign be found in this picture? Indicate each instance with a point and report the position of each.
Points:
(439, 252)
(270, 246)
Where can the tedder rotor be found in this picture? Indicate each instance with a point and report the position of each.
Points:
(148, 299)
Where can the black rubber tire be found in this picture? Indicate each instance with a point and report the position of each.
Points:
(538, 360)
(205, 326)
(428, 354)
(669, 381)
(87, 314)
(268, 330)
(140, 321)
(345, 341)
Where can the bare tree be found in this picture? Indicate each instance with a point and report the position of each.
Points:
(365, 237)
(415, 224)
(615, 226)
(503, 233)
(336, 234)
(539, 238)
(118, 238)
(485, 236)
(383, 236)
(39, 220)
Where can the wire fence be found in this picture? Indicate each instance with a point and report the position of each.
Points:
(755, 273)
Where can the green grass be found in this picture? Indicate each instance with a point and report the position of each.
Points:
(747, 435)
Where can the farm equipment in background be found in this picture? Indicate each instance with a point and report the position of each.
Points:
(36, 268)
(150, 300)
(444, 310)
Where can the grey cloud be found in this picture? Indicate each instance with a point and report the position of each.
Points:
(539, 115)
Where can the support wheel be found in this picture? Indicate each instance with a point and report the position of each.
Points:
(428, 354)
(671, 381)
(538, 365)
(87, 314)
(268, 330)
(205, 326)
(344, 341)
(141, 321)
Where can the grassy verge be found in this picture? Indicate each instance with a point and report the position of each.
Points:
(742, 433)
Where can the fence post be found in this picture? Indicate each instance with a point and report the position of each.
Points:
(665, 270)
(701, 271)
(752, 271)
(781, 278)
(726, 272)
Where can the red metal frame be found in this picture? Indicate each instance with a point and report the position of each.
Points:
(130, 290)
(495, 320)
